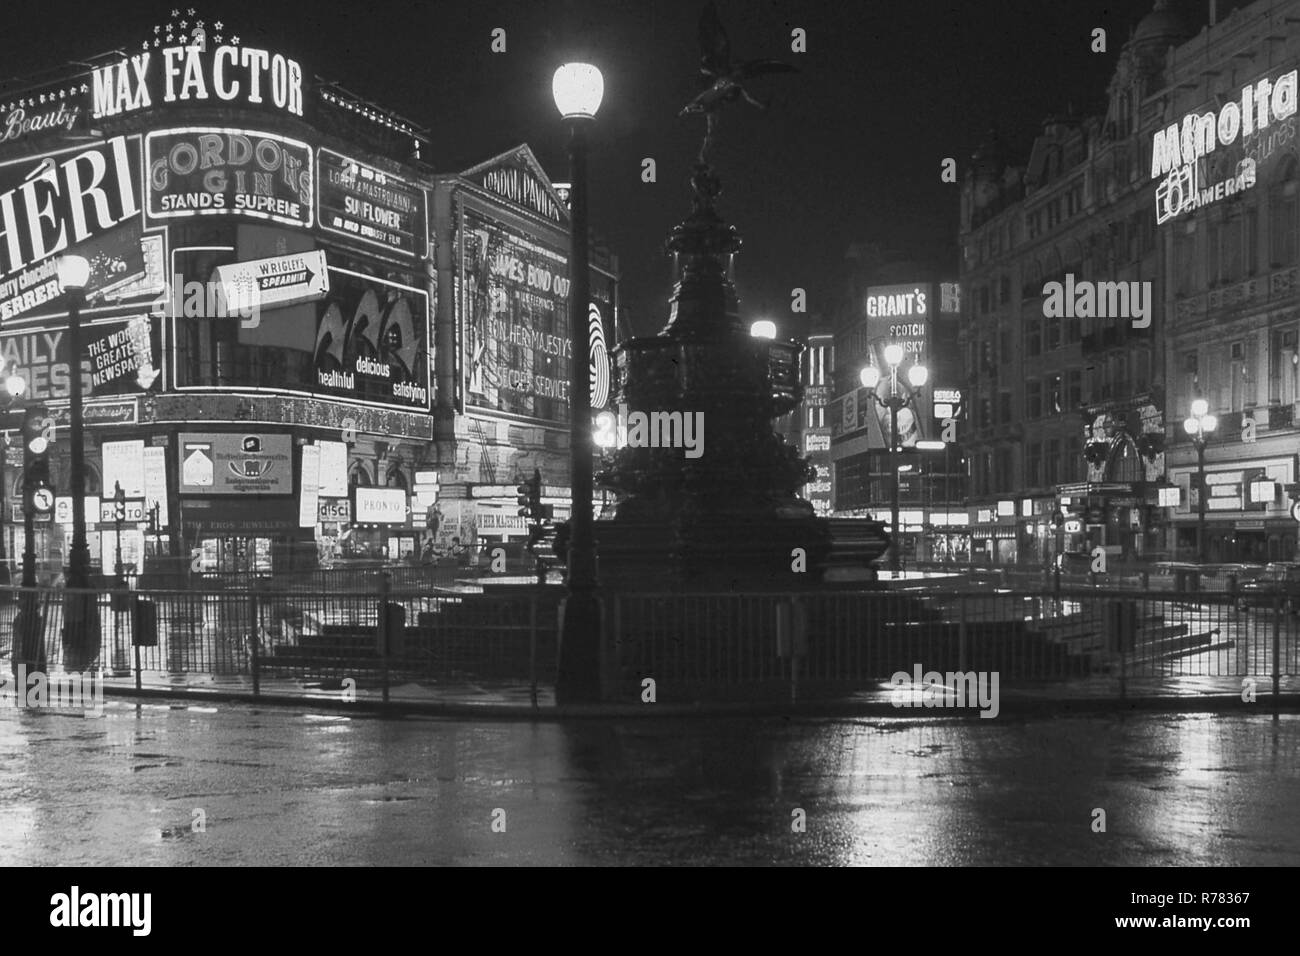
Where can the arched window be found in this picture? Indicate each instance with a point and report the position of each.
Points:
(1282, 215)
(396, 479)
(358, 476)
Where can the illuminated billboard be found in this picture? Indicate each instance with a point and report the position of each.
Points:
(514, 293)
(235, 463)
(120, 357)
(212, 171)
(900, 315)
(514, 302)
(367, 204)
(366, 339)
(81, 201)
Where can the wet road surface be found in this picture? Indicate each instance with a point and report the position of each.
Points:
(289, 786)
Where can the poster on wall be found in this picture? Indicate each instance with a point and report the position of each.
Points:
(367, 204)
(235, 463)
(120, 356)
(213, 171)
(40, 224)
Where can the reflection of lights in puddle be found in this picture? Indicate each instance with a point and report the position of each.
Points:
(333, 718)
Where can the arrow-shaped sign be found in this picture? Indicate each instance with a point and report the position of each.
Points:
(272, 283)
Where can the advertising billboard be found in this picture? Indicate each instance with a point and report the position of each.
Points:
(80, 201)
(514, 294)
(120, 356)
(235, 463)
(367, 204)
(213, 171)
(514, 303)
(893, 315)
(381, 505)
(364, 340)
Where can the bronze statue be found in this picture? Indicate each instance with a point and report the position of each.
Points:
(723, 82)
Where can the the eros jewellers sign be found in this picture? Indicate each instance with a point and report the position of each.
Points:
(221, 172)
(225, 75)
(1177, 150)
(361, 202)
(57, 204)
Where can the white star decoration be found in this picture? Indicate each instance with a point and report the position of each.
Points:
(235, 40)
(84, 88)
(146, 44)
(218, 37)
(184, 24)
(218, 25)
(191, 13)
(176, 13)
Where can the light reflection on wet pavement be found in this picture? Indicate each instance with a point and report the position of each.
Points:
(289, 786)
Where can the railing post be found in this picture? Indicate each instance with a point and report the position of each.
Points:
(1278, 606)
(384, 590)
(254, 648)
(532, 646)
(962, 636)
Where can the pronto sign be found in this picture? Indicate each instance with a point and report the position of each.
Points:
(1176, 149)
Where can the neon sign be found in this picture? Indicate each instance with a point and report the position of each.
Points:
(1177, 149)
(179, 74)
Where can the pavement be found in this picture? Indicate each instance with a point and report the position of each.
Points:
(204, 783)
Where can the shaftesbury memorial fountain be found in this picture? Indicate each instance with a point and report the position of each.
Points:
(730, 518)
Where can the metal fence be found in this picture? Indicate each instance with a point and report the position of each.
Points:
(695, 646)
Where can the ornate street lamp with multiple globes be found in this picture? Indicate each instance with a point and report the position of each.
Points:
(578, 89)
(1200, 425)
(917, 376)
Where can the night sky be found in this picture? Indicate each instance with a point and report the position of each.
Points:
(849, 151)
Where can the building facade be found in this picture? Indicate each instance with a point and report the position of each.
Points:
(302, 343)
(1103, 299)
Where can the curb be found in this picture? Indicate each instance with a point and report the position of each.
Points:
(1029, 706)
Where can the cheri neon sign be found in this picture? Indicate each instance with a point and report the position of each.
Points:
(176, 74)
(1176, 150)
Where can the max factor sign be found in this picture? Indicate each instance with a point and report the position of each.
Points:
(181, 74)
(1175, 151)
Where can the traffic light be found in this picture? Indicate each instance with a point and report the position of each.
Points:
(36, 451)
(119, 503)
(530, 497)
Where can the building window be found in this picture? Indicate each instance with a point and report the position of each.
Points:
(1004, 345)
(1033, 337)
(1004, 408)
(1034, 465)
(1053, 334)
(1282, 214)
(1052, 461)
(1054, 395)
(1075, 469)
(1033, 399)
(1073, 389)
(1283, 368)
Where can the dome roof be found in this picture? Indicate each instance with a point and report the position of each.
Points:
(1162, 24)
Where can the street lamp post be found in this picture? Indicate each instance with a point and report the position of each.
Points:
(578, 89)
(81, 616)
(917, 375)
(1200, 424)
(14, 386)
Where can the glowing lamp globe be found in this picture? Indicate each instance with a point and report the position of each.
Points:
(578, 89)
(894, 354)
(918, 375)
(74, 273)
(15, 385)
(870, 377)
(763, 329)
(1209, 423)
(1189, 425)
(1199, 407)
